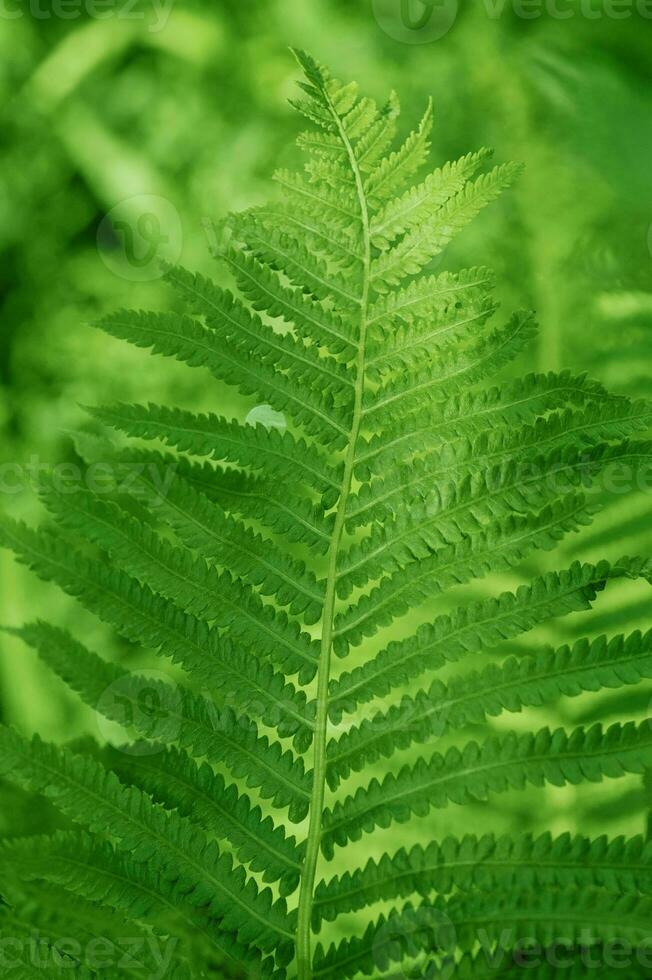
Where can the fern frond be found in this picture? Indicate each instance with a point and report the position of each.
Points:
(571, 919)
(252, 687)
(476, 493)
(452, 372)
(478, 770)
(491, 863)
(305, 269)
(171, 777)
(277, 508)
(48, 931)
(92, 796)
(411, 343)
(470, 699)
(97, 872)
(500, 547)
(266, 292)
(169, 713)
(423, 297)
(24, 966)
(386, 474)
(465, 416)
(146, 555)
(393, 171)
(205, 527)
(337, 210)
(208, 435)
(421, 203)
(296, 220)
(470, 629)
(429, 238)
(144, 617)
(302, 393)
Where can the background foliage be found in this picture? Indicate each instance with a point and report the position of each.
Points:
(97, 111)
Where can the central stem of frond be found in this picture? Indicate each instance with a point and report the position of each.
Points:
(304, 928)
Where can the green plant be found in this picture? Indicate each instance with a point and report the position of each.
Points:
(383, 478)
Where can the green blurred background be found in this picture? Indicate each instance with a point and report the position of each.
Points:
(172, 115)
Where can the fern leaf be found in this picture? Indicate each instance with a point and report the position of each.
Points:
(249, 555)
(93, 797)
(95, 871)
(477, 771)
(423, 297)
(410, 344)
(343, 250)
(305, 269)
(394, 170)
(470, 699)
(24, 967)
(491, 863)
(565, 920)
(293, 517)
(171, 777)
(470, 629)
(510, 483)
(451, 374)
(501, 546)
(460, 417)
(421, 203)
(370, 148)
(209, 435)
(266, 292)
(147, 555)
(336, 210)
(50, 932)
(205, 527)
(169, 713)
(303, 394)
(240, 679)
(421, 244)
(144, 617)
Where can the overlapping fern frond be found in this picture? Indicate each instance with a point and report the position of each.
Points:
(403, 470)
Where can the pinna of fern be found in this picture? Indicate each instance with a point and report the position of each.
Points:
(268, 552)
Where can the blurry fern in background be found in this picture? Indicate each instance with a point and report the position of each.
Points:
(388, 481)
